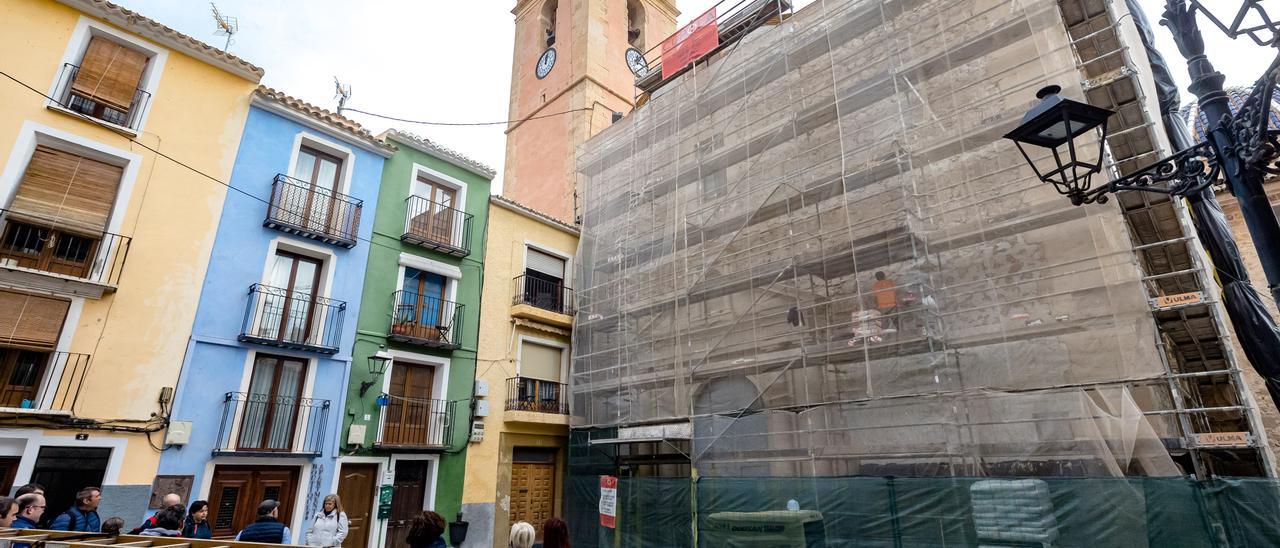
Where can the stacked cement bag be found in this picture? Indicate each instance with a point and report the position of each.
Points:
(1013, 511)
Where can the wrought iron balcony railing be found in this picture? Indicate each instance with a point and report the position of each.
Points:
(47, 381)
(291, 319)
(429, 321)
(69, 99)
(537, 395)
(321, 214)
(43, 245)
(409, 423)
(264, 425)
(544, 294)
(436, 226)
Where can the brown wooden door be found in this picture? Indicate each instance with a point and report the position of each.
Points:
(356, 488)
(410, 413)
(8, 471)
(287, 312)
(320, 172)
(407, 499)
(20, 374)
(271, 406)
(533, 493)
(236, 491)
(436, 222)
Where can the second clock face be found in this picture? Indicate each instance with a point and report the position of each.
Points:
(637, 63)
(545, 63)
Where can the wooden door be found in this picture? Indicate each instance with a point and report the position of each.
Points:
(533, 493)
(8, 471)
(236, 491)
(356, 488)
(437, 221)
(407, 500)
(270, 415)
(320, 173)
(20, 374)
(287, 311)
(411, 414)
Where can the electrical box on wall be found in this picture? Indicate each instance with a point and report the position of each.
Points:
(482, 408)
(482, 388)
(355, 434)
(477, 432)
(179, 433)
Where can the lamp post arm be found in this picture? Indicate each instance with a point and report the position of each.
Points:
(1186, 173)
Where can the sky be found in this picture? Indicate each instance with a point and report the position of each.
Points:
(451, 61)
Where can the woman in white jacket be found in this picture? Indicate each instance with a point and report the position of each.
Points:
(329, 526)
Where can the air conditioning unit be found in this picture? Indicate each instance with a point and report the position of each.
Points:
(477, 431)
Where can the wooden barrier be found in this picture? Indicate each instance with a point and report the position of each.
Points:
(39, 538)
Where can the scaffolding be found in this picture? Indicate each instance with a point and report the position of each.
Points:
(813, 255)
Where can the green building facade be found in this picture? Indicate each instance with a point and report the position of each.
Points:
(408, 412)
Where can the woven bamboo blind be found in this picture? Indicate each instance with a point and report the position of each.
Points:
(66, 190)
(109, 73)
(31, 321)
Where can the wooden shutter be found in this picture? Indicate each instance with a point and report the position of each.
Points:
(550, 265)
(538, 361)
(31, 321)
(109, 73)
(66, 190)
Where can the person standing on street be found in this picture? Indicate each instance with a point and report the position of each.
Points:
(522, 535)
(83, 516)
(268, 528)
(8, 511)
(197, 522)
(427, 531)
(329, 526)
(30, 509)
(169, 501)
(29, 488)
(168, 523)
(555, 534)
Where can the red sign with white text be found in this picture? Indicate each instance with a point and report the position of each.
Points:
(689, 43)
(608, 501)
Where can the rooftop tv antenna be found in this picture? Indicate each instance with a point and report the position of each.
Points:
(342, 93)
(227, 25)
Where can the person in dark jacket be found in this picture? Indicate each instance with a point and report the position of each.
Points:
(426, 531)
(197, 523)
(169, 501)
(83, 516)
(8, 511)
(268, 528)
(29, 488)
(113, 526)
(168, 523)
(30, 508)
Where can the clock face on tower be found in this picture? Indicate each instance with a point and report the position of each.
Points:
(545, 63)
(637, 63)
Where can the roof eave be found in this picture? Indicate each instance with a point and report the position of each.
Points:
(306, 119)
(441, 154)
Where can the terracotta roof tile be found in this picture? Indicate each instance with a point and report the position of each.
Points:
(512, 204)
(135, 21)
(429, 146)
(336, 121)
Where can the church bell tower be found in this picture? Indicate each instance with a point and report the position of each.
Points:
(571, 55)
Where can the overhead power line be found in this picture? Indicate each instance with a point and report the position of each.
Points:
(170, 158)
(501, 123)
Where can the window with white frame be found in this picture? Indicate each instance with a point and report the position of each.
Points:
(108, 75)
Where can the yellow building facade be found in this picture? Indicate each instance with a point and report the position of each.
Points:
(104, 241)
(516, 460)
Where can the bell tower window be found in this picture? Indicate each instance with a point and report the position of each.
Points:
(635, 24)
(548, 21)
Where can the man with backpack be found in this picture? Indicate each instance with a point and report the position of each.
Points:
(83, 516)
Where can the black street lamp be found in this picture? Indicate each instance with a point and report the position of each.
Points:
(378, 362)
(1240, 148)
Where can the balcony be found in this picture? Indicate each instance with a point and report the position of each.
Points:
(290, 319)
(125, 116)
(39, 253)
(259, 425)
(41, 382)
(436, 226)
(413, 424)
(298, 208)
(541, 300)
(427, 321)
(537, 395)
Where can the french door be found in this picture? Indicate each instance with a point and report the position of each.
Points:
(412, 418)
(289, 305)
(20, 374)
(319, 173)
(271, 408)
(436, 222)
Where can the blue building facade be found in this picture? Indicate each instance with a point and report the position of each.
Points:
(261, 392)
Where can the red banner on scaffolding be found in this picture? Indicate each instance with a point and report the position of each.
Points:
(689, 43)
(609, 501)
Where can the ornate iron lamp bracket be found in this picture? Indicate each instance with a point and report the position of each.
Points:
(1187, 172)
